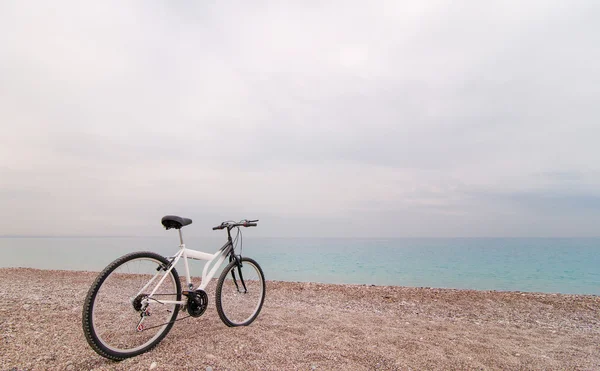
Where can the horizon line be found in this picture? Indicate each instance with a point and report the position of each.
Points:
(299, 237)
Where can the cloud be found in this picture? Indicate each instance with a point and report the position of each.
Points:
(384, 119)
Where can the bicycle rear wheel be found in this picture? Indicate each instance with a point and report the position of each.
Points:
(119, 320)
(239, 297)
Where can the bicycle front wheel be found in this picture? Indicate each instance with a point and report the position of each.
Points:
(121, 318)
(240, 293)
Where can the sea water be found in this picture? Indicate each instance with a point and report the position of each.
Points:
(563, 265)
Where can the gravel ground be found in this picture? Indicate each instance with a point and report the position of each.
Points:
(308, 326)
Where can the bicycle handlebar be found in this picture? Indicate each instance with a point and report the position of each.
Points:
(242, 223)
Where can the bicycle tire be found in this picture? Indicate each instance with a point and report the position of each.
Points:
(236, 307)
(114, 296)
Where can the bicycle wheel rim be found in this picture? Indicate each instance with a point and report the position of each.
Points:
(114, 318)
(240, 304)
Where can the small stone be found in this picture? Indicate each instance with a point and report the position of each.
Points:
(70, 367)
(153, 365)
(208, 368)
(26, 306)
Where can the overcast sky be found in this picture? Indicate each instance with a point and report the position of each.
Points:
(330, 118)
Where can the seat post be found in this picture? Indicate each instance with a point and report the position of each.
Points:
(180, 237)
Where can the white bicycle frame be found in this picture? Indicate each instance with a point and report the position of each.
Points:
(186, 254)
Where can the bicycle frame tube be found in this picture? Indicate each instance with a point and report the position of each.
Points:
(207, 275)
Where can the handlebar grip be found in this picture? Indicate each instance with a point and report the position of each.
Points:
(250, 224)
(217, 227)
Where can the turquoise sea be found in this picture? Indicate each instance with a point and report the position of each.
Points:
(564, 265)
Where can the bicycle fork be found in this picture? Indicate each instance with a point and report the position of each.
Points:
(238, 262)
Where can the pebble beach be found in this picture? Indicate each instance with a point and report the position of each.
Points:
(311, 326)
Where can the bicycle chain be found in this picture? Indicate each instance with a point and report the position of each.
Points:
(166, 323)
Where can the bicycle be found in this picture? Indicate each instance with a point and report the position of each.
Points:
(134, 301)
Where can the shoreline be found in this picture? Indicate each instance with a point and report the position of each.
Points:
(197, 279)
(325, 326)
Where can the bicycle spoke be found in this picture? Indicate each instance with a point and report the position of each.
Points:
(238, 307)
(122, 320)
